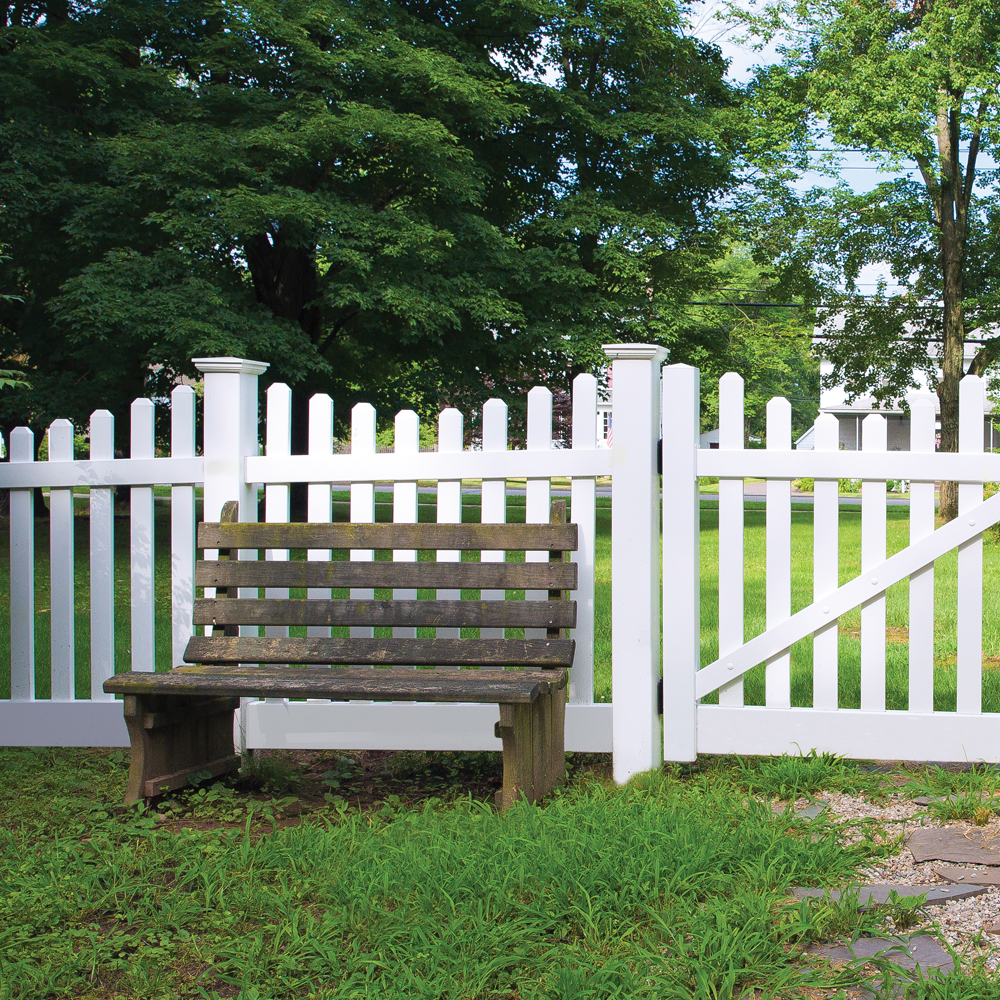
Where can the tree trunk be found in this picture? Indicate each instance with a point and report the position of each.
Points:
(952, 358)
(285, 280)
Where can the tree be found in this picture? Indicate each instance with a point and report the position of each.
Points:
(406, 203)
(906, 82)
(735, 324)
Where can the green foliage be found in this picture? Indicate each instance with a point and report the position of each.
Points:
(396, 202)
(721, 330)
(10, 379)
(788, 777)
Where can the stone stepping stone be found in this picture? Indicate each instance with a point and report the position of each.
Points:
(987, 798)
(963, 845)
(812, 811)
(921, 952)
(868, 894)
(968, 876)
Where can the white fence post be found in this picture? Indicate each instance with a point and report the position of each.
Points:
(681, 570)
(230, 432)
(635, 612)
(230, 437)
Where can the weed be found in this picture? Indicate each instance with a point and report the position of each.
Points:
(789, 777)
(261, 771)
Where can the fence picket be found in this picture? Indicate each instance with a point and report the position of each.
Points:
(319, 502)
(583, 513)
(404, 504)
(143, 544)
(538, 492)
(778, 532)
(451, 437)
(494, 494)
(921, 632)
(873, 552)
(970, 556)
(731, 631)
(362, 500)
(61, 570)
(826, 562)
(182, 524)
(277, 509)
(102, 561)
(22, 574)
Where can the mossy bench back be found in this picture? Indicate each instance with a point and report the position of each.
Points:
(227, 611)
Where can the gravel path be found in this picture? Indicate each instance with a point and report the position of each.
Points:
(962, 923)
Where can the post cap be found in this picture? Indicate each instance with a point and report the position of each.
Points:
(232, 366)
(635, 352)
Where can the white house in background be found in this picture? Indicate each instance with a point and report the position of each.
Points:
(851, 415)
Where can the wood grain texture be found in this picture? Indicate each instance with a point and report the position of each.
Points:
(469, 614)
(481, 686)
(421, 652)
(469, 537)
(465, 575)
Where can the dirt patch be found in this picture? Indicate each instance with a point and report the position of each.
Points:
(893, 633)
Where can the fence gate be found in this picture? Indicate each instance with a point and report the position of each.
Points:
(869, 731)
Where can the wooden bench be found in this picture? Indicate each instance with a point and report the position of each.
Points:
(180, 723)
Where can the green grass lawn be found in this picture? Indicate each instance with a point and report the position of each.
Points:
(671, 887)
(850, 520)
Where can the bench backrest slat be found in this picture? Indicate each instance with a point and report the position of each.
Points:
(467, 537)
(341, 573)
(538, 653)
(467, 614)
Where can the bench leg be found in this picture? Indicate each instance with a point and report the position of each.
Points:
(174, 737)
(557, 740)
(514, 728)
(534, 757)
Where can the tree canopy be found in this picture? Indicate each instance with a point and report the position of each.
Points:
(909, 83)
(401, 202)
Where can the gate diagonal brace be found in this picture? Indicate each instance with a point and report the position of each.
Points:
(870, 584)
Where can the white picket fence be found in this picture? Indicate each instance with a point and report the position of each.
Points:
(919, 733)
(231, 468)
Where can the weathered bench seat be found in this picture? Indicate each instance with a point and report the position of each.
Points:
(181, 723)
